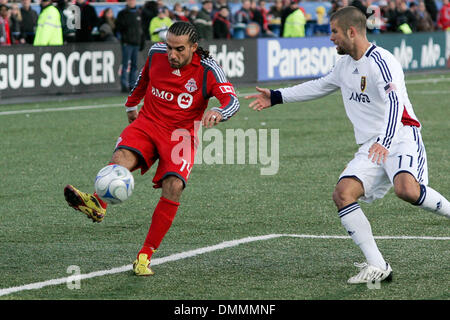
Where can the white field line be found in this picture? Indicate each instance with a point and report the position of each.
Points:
(6, 113)
(240, 95)
(192, 253)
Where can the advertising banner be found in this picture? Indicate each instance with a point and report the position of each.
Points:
(418, 51)
(295, 58)
(73, 68)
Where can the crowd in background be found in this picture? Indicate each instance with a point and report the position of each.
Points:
(149, 20)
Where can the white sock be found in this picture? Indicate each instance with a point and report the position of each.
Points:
(433, 201)
(358, 227)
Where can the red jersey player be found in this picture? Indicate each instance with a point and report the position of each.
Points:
(176, 83)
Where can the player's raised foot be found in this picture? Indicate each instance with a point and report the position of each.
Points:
(84, 202)
(370, 273)
(141, 266)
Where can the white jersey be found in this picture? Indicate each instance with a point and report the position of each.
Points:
(374, 94)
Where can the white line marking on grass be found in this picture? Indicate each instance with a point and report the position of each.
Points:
(192, 253)
(240, 95)
(6, 113)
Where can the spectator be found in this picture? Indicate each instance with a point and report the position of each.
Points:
(5, 33)
(159, 25)
(424, 21)
(49, 29)
(390, 17)
(242, 18)
(67, 15)
(29, 21)
(295, 23)
(443, 20)
(290, 7)
(221, 24)
(405, 19)
(89, 21)
(16, 20)
(107, 26)
(218, 4)
(260, 14)
(203, 22)
(192, 13)
(178, 13)
(335, 6)
(128, 24)
(149, 11)
(432, 9)
(274, 17)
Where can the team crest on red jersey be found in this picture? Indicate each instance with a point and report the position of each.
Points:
(191, 85)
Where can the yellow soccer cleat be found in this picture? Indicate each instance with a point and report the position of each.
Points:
(84, 202)
(141, 266)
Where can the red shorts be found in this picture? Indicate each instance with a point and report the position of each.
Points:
(174, 149)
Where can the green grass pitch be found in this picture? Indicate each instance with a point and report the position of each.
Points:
(40, 236)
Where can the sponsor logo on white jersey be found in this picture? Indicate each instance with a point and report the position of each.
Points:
(359, 97)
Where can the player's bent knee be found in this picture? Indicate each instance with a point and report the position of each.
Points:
(172, 187)
(125, 158)
(409, 193)
(406, 187)
(347, 191)
(341, 198)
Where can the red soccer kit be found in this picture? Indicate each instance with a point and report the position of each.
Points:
(174, 103)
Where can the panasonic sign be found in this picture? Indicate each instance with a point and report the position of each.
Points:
(295, 58)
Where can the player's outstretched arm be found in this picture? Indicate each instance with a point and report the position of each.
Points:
(261, 100)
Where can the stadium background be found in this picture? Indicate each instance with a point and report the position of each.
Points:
(49, 237)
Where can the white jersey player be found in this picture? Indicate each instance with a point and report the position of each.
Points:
(391, 150)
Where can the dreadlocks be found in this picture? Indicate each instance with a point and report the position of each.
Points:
(181, 28)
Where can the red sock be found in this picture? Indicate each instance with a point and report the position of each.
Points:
(162, 218)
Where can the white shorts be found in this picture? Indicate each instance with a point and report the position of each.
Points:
(406, 154)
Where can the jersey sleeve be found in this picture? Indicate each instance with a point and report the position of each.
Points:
(218, 86)
(140, 87)
(388, 77)
(312, 89)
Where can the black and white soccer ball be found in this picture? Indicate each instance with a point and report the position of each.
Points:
(114, 184)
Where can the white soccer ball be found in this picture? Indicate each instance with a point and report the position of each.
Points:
(114, 184)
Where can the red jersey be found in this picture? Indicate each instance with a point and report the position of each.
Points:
(176, 98)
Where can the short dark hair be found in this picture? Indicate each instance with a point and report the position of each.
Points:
(350, 17)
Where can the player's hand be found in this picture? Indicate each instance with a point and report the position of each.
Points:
(262, 99)
(378, 153)
(132, 115)
(211, 118)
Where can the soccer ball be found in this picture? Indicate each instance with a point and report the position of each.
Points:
(114, 184)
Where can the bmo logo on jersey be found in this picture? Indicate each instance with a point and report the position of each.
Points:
(185, 100)
(165, 95)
